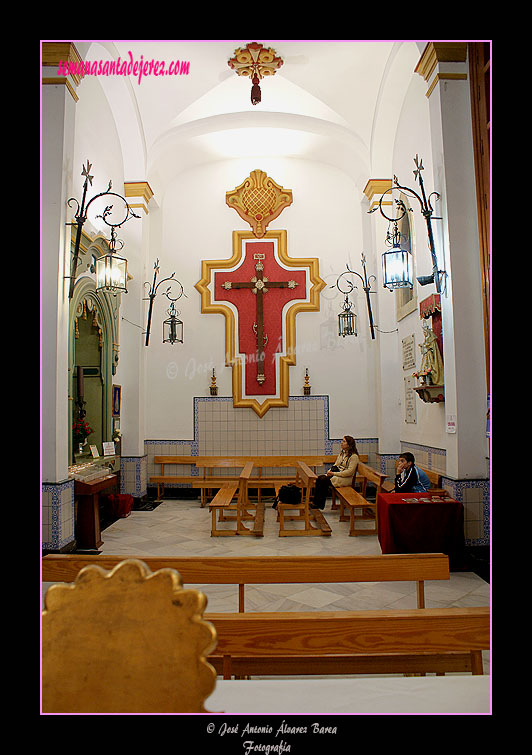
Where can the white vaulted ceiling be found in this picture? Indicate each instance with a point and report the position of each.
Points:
(337, 102)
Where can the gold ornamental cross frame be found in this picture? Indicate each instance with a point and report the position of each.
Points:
(233, 357)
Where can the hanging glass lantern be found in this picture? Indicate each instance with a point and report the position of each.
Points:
(172, 328)
(397, 264)
(111, 273)
(397, 268)
(347, 320)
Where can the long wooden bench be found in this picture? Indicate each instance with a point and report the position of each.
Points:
(301, 512)
(395, 637)
(240, 571)
(223, 502)
(356, 501)
(206, 479)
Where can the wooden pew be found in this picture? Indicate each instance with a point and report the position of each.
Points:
(301, 512)
(223, 502)
(356, 501)
(243, 571)
(369, 641)
(383, 638)
(204, 464)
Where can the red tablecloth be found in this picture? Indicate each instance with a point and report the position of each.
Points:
(421, 523)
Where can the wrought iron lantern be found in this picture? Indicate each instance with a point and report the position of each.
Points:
(111, 269)
(397, 265)
(172, 327)
(347, 320)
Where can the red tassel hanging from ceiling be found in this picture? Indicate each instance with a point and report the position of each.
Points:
(255, 91)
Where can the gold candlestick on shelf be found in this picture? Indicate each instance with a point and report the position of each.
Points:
(306, 387)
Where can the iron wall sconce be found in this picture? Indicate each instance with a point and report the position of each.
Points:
(172, 328)
(347, 320)
(397, 264)
(391, 265)
(111, 270)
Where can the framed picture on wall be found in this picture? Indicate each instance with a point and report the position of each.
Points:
(117, 397)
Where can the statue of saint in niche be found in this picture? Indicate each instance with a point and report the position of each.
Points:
(431, 360)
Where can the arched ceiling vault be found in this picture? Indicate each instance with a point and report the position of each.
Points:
(336, 102)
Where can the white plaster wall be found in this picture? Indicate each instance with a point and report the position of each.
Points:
(98, 142)
(324, 221)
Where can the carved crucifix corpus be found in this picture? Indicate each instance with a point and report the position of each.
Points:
(259, 285)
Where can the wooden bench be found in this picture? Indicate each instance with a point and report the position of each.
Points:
(357, 501)
(301, 512)
(383, 639)
(223, 502)
(241, 571)
(205, 479)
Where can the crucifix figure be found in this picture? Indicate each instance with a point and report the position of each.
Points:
(259, 289)
(259, 285)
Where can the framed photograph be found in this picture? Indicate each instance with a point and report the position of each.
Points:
(117, 397)
(109, 448)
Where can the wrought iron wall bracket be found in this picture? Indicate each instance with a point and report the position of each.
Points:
(427, 211)
(152, 293)
(81, 217)
(366, 285)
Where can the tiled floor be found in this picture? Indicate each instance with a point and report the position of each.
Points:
(182, 528)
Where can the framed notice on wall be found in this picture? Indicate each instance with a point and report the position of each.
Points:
(410, 401)
(409, 352)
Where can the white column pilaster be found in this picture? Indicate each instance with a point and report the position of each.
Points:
(444, 67)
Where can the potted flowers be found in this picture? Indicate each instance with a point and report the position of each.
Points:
(80, 432)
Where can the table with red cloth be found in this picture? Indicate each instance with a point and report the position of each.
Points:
(421, 523)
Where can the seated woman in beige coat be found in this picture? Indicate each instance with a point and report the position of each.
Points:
(341, 474)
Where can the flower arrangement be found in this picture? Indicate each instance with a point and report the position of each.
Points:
(423, 373)
(81, 430)
(117, 435)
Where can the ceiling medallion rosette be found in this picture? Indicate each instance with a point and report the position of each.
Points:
(256, 61)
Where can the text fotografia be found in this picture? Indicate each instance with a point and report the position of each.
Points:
(131, 67)
(250, 746)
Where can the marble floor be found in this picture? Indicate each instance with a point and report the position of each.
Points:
(182, 528)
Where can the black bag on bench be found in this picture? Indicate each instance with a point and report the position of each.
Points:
(290, 493)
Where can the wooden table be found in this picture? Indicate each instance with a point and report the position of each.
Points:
(421, 523)
(88, 533)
